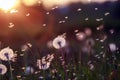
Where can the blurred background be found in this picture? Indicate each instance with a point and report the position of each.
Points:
(35, 22)
(38, 22)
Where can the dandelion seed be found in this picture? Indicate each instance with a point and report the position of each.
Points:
(18, 76)
(63, 62)
(23, 68)
(11, 25)
(53, 77)
(56, 7)
(28, 14)
(102, 47)
(96, 8)
(74, 74)
(60, 22)
(21, 54)
(97, 39)
(66, 17)
(100, 27)
(47, 13)
(96, 55)
(89, 62)
(54, 71)
(29, 44)
(103, 55)
(36, 72)
(67, 70)
(76, 31)
(44, 25)
(63, 21)
(99, 19)
(60, 75)
(111, 31)
(79, 9)
(53, 8)
(107, 13)
(101, 52)
(86, 19)
(41, 77)
(101, 41)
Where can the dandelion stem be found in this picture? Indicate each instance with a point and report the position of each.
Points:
(11, 74)
(64, 65)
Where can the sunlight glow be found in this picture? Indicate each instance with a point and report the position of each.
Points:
(7, 4)
(48, 4)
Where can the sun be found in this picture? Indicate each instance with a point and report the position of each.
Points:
(7, 4)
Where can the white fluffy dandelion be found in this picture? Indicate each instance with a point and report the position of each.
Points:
(59, 42)
(6, 54)
(81, 36)
(3, 69)
(29, 70)
(43, 65)
(88, 32)
(112, 47)
(45, 62)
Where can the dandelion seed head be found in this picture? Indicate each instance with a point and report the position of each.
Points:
(59, 42)
(88, 31)
(90, 42)
(3, 69)
(6, 54)
(80, 36)
(29, 70)
(112, 47)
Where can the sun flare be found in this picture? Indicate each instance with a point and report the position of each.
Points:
(7, 4)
